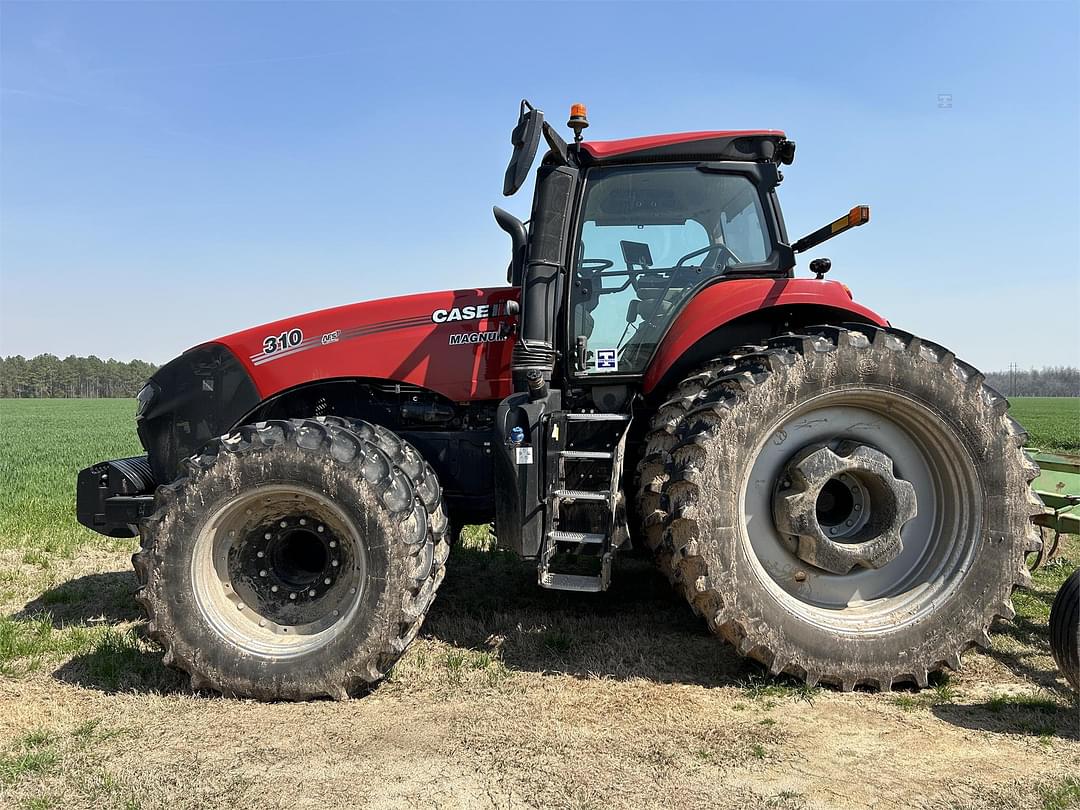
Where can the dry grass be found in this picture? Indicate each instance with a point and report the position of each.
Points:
(517, 697)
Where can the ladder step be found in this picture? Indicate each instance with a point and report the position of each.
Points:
(597, 417)
(580, 495)
(571, 582)
(586, 454)
(577, 537)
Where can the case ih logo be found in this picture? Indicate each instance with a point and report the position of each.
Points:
(465, 338)
(469, 313)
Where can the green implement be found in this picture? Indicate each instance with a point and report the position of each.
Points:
(1059, 487)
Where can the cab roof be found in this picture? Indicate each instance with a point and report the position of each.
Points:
(750, 144)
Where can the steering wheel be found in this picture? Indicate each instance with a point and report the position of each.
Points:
(722, 254)
(594, 266)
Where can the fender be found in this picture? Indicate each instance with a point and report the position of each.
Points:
(725, 301)
(454, 342)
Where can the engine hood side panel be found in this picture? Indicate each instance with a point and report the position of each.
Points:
(454, 342)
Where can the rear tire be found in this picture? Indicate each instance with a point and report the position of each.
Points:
(295, 559)
(725, 450)
(1065, 629)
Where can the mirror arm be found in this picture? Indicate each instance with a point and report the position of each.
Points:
(557, 144)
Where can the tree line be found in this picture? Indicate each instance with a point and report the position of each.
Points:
(91, 377)
(1049, 381)
(88, 377)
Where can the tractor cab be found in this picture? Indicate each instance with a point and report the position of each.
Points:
(623, 234)
(647, 236)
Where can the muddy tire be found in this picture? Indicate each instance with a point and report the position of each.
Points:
(848, 506)
(1065, 630)
(654, 469)
(294, 559)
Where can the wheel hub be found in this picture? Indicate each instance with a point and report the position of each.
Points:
(287, 566)
(841, 508)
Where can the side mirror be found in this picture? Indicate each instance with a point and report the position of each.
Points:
(518, 240)
(525, 139)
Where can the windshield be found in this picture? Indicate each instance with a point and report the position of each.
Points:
(649, 236)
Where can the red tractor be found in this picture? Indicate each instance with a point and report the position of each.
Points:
(842, 501)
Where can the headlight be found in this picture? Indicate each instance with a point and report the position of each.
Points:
(146, 397)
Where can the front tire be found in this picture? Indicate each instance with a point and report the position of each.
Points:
(767, 477)
(295, 559)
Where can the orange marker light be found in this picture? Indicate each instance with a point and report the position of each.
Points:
(577, 121)
(859, 215)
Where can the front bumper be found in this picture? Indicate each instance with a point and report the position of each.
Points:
(111, 497)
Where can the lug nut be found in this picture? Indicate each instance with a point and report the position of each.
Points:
(311, 593)
(262, 573)
(334, 563)
(283, 524)
(333, 544)
(800, 576)
(303, 521)
(292, 595)
(260, 554)
(273, 589)
(320, 528)
(326, 581)
(267, 536)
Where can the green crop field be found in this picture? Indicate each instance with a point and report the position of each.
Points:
(1053, 423)
(43, 444)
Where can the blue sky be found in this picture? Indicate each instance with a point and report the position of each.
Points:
(175, 171)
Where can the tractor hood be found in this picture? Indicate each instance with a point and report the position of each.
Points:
(456, 343)
(438, 340)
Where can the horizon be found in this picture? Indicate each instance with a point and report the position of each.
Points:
(5, 357)
(175, 173)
